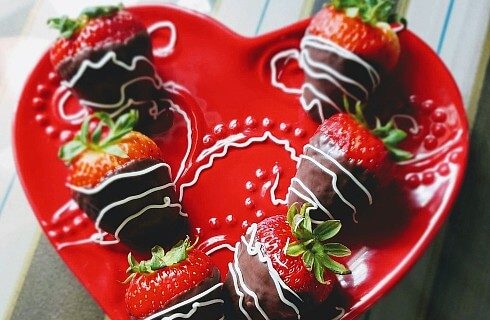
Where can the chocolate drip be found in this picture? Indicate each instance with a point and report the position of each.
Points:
(320, 183)
(156, 226)
(207, 312)
(314, 54)
(257, 278)
(104, 85)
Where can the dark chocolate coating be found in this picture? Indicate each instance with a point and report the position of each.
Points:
(346, 67)
(156, 226)
(257, 278)
(320, 182)
(210, 312)
(104, 85)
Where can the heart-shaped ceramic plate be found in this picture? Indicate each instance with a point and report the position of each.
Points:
(222, 82)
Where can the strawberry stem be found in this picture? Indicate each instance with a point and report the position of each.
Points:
(391, 137)
(310, 243)
(68, 26)
(369, 11)
(85, 140)
(159, 258)
(388, 133)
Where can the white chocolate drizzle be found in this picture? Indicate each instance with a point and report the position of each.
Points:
(176, 108)
(111, 179)
(421, 157)
(119, 106)
(327, 45)
(99, 236)
(94, 238)
(330, 74)
(334, 180)
(320, 70)
(232, 142)
(220, 144)
(110, 56)
(74, 118)
(69, 205)
(342, 313)
(124, 102)
(286, 54)
(309, 198)
(253, 248)
(415, 126)
(341, 167)
(220, 247)
(194, 304)
(275, 201)
(105, 210)
(169, 48)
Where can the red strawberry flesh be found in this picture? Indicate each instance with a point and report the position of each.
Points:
(111, 29)
(374, 44)
(91, 167)
(359, 145)
(273, 233)
(149, 293)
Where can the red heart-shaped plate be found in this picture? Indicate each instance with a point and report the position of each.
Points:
(222, 82)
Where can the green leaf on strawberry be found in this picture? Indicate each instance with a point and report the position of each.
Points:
(86, 140)
(391, 137)
(337, 250)
(310, 243)
(159, 259)
(98, 11)
(388, 133)
(369, 11)
(327, 230)
(68, 26)
(65, 25)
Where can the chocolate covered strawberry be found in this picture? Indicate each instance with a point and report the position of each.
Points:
(347, 48)
(182, 283)
(105, 57)
(282, 268)
(119, 179)
(343, 163)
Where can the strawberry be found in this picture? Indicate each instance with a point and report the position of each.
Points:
(181, 281)
(105, 57)
(344, 160)
(346, 49)
(119, 179)
(361, 27)
(92, 158)
(283, 268)
(94, 28)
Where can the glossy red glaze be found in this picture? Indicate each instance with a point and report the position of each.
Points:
(228, 81)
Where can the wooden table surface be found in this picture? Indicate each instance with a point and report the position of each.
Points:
(451, 281)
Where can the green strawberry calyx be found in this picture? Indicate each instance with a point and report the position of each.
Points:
(86, 140)
(310, 243)
(68, 26)
(388, 133)
(391, 137)
(159, 259)
(372, 12)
